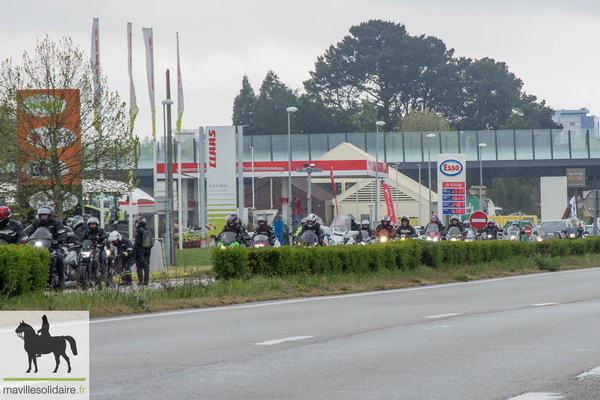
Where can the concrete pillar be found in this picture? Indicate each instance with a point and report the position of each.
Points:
(285, 214)
(184, 202)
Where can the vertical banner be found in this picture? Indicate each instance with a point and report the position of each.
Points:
(133, 108)
(149, 43)
(334, 193)
(452, 175)
(387, 195)
(220, 171)
(180, 105)
(95, 59)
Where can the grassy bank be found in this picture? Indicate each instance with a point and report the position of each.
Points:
(192, 295)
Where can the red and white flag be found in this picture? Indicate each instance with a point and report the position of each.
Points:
(387, 195)
(334, 192)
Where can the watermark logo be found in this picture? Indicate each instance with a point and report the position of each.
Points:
(44, 354)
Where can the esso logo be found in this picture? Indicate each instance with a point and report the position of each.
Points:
(451, 167)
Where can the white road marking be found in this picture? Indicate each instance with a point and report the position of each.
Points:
(443, 315)
(277, 341)
(544, 304)
(537, 396)
(479, 220)
(591, 372)
(332, 297)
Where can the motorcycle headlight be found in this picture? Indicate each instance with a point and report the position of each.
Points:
(259, 245)
(403, 238)
(428, 238)
(39, 243)
(572, 235)
(512, 237)
(489, 236)
(223, 247)
(383, 239)
(108, 252)
(86, 254)
(435, 239)
(453, 239)
(539, 239)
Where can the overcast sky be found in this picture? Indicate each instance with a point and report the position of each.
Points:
(551, 45)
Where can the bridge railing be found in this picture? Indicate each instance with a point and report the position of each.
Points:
(502, 145)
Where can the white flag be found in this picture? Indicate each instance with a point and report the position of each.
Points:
(572, 202)
(133, 108)
(180, 105)
(149, 41)
(95, 60)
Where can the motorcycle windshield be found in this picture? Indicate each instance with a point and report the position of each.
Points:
(260, 238)
(432, 228)
(41, 238)
(87, 245)
(364, 234)
(454, 232)
(384, 232)
(513, 230)
(341, 223)
(228, 237)
(309, 237)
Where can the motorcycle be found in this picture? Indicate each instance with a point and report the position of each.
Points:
(307, 239)
(260, 241)
(454, 234)
(111, 260)
(43, 238)
(470, 235)
(572, 232)
(383, 236)
(340, 231)
(228, 240)
(71, 264)
(513, 234)
(363, 237)
(432, 233)
(91, 270)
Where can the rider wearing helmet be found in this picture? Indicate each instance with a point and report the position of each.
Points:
(455, 221)
(142, 254)
(96, 235)
(385, 225)
(263, 228)
(46, 219)
(366, 226)
(405, 228)
(10, 231)
(234, 224)
(313, 225)
(492, 229)
(302, 223)
(354, 226)
(124, 248)
(435, 220)
(79, 229)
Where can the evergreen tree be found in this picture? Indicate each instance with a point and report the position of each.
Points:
(243, 105)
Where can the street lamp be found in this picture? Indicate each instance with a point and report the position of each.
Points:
(481, 145)
(253, 207)
(290, 110)
(371, 206)
(430, 136)
(309, 169)
(378, 123)
(419, 165)
(165, 103)
(397, 206)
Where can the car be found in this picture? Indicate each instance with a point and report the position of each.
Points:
(553, 229)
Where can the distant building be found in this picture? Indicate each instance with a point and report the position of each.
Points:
(576, 119)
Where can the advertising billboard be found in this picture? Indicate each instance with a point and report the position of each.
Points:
(452, 174)
(221, 187)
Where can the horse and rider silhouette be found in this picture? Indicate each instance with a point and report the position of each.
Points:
(43, 343)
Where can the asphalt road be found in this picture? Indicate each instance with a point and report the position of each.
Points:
(524, 337)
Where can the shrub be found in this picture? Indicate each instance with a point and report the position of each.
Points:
(23, 269)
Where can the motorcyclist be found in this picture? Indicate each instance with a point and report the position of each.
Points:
(354, 226)
(574, 223)
(302, 223)
(142, 254)
(455, 221)
(435, 220)
(492, 229)
(125, 251)
(263, 228)
(46, 219)
(469, 229)
(313, 225)
(96, 235)
(366, 226)
(234, 224)
(385, 225)
(10, 231)
(405, 228)
(79, 229)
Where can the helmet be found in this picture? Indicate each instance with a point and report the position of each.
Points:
(231, 219)
(262, 221)
(466, 224)
(77, 221)
(93, 220)
(114, 236)
(515, 223)
(405, 218)
(70, 221)
(69, 231)
(385, 220)
(303, 221)
(4, 213)
(351, 217)
(139, 221)
(491, 222)
(311, 220)
(365, 222)
(44, 210)
(433, 218)
(454, 218)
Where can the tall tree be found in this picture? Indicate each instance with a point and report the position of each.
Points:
(315, 117)
(364, 120)
(243, 105)
(424, 121)
(515, 194)
(55, 154)
(270, 115)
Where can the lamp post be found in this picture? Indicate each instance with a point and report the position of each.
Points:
(481, 145)
(253, 207)
(165, 103)
(419, 165)
(430, 136)
(371, 206)
(309, 169)
(378, 124)
(290, 110)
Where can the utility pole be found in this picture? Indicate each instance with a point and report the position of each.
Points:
(170, 172)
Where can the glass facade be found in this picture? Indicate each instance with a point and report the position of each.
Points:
(541, 144)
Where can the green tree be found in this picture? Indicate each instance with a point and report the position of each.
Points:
(424, 121)
(365, 118)
(270, 115)
(59, 155)
(243, 105)
(315, 117)
(515, 194)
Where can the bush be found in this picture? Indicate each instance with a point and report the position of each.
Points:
(23, 269)
(547, 263)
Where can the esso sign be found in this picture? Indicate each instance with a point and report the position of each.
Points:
(451, 167)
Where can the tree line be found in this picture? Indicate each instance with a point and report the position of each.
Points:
(412, 83)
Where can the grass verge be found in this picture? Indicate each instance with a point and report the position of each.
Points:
(189, 294)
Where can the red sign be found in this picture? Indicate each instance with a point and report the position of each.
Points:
(453, 185)
(527, 229)
(387, 194)
(478, 219)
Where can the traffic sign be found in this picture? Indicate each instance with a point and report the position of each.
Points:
(527, 229)
(592, 203)
(478, 219)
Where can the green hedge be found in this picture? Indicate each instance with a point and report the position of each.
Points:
(23, 269)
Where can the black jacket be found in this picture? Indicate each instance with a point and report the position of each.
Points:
(267, 230)
(126, 251)
(139, 240)
(316, 228)
(238, 229)
(408, 230)
(11, 232)
(460, 226)
(55, 227)
(355, 226)
(79, 233)
(96, 237)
